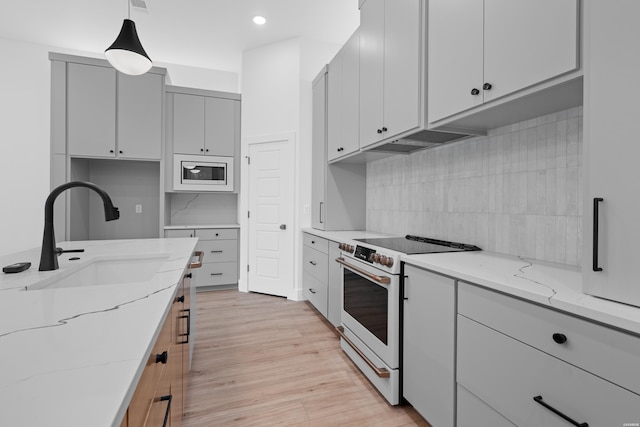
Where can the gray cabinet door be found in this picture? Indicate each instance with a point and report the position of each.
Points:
(140, 116)
(188, 124)
(319, 152)
(334, 299)
(91, 110)
(429, 334)
(221, 126)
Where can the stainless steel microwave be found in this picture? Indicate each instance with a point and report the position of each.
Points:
(202, 173)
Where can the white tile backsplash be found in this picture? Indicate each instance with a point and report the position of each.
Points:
(515, 191)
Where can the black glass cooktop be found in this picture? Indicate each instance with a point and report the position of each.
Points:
(418, 245)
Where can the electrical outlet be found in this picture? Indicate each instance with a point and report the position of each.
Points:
(138, 208)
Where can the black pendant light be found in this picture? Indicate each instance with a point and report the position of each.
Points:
(126, 54)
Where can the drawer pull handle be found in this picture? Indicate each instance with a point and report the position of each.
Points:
(216, 274)
(312, 290)
(538, 399)
(560, 338)
(188, 333)
(216, 252)
(380, 372)
(162, 358)
(197, 264)
(168, 399)
(313, 263)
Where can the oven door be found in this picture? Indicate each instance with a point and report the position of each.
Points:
(371, 308)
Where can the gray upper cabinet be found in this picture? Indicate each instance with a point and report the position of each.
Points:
(140, 116)
(91, 110)
(390, 69)
(482, 54)
(221, 125)
(110, 114)
(188, 124)
(205, 122)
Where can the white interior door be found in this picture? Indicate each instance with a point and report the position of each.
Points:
(270, 233)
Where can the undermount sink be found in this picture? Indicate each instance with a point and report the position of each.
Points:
(104, 271)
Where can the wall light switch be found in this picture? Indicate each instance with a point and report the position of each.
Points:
(138, 208)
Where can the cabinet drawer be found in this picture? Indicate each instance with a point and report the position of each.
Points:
(217, 273)
(315, 291)
(179, 233)
(145, 391)
(218, 250)
(473, 412)
(603, 351)
(217, 233)
(507, 375)
(315, 263)
(317, 243)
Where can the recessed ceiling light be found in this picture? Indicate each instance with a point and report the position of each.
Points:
(259, 20)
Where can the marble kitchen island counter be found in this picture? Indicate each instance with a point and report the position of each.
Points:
(552, 285)
(73, 356)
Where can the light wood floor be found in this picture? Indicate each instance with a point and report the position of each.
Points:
(262, 361)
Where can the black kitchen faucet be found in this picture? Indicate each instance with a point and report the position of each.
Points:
(49, 254)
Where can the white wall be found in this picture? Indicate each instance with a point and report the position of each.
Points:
(276, 99)
(25, 134)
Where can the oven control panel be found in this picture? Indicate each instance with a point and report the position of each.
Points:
(364, 254)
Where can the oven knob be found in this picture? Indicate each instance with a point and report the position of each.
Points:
(383, 260)
(350, 248)
(341, 246)
(389, 262)
(376, 258)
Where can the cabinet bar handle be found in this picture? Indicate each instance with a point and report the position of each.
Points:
(168, 399)
(313, 263)
(538, 399)
(321, 221)
(596, 205)
(188, 317)
(216, 252)
(380, 372)
(384, 280)
(216, 274)
(197, 264)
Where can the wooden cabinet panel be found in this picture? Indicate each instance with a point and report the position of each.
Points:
(91, 110)
(508, 374)
(429, 344)
(140, 116)
(188, 124)
(221, 125)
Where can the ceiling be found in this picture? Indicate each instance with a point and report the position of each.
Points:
(199, 33)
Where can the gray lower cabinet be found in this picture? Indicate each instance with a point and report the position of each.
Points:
(429, 345)
(220, 263)
(522, 364)
(321, 278)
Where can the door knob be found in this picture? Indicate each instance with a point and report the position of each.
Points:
(283, 226)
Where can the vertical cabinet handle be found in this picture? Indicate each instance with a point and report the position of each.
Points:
(596, 205)
(188, 317)
(405, 296)
(538, 399)
(321, 221)
(167, 399)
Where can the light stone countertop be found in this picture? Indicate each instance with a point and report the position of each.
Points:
(73, 356)
(552, 285)
(195, 227)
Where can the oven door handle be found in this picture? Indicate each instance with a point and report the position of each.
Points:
(380, 372)
(384, 280)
